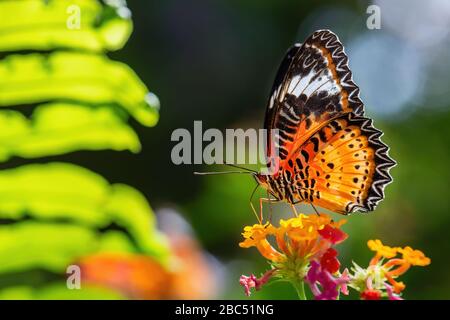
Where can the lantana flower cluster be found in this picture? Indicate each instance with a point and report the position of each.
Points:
(379, 278)
(302, 250)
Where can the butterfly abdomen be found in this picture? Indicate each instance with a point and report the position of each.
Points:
(295, 185)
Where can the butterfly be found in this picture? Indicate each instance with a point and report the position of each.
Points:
(322, 149)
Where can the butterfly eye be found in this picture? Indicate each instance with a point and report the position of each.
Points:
(261, 179)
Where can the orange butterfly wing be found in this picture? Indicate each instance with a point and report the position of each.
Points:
(345, 166)
(320, 143)
(313, 86)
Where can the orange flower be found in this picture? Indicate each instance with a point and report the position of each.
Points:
(256, 236)
(382, 250)
(303, 228)
(138, 276)
(135, 276)
(414, 257)
(190, 275)
(299, 241)
(304, 252)
(256, 233)
(297, 237)
(394, 266)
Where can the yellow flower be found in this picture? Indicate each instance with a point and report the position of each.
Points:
(395, 266)
(382, 250)
(297, 239)
(255, 234)
(414, 257)
(303, 227)
(293, 246)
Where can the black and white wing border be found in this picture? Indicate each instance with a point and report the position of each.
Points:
(330, 41)
(383, 163)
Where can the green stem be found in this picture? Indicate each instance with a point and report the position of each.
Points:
(300, 288)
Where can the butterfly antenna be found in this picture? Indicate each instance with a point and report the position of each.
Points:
(220, 172)
(245, 170)
(238, 167)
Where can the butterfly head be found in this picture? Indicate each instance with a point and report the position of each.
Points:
(264, 181)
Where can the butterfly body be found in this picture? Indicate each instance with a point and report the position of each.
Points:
(323, 149)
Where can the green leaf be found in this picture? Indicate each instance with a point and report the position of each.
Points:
(129, 208)
(58, 191)
(53, 214)
(64, 127)
(78, 24)
(31, 245)
(88, 78)
(50, 246)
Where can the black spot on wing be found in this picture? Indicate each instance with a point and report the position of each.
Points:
(305, 155)
(315, 142)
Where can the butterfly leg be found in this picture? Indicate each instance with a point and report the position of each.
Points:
(254, 211)
(261, 209)
(270, 207)
(294, 209)
(251, 203)
(261, 200)
(259, 216)
(317, 212)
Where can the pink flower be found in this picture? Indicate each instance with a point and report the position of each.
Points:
(253, 282)
(329, 286)
(248, 283)
(391, 294)
(345, 275)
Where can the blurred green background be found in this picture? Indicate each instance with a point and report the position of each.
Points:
(215, 61)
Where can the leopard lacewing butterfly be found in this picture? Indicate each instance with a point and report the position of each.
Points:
(327, 152)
